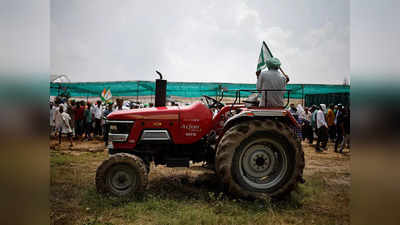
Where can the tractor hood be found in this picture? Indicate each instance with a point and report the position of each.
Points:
(186, 124)
(155, 113)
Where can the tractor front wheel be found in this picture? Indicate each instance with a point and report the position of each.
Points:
(121, 175)
(259, 158)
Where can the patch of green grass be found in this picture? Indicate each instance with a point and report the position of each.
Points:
(304, 193)
(166, 202)
(60, 160)
(155, 209)
(214, 208)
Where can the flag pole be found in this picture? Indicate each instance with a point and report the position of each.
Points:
(266, 46)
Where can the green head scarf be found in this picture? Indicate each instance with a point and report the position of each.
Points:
(273, 63)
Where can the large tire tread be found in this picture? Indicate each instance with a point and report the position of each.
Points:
(232, 139)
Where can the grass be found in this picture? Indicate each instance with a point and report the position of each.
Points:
(208, 208)
(175, 197)
(60, 160)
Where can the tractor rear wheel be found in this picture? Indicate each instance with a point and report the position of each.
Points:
(256, 159)
(121, 175)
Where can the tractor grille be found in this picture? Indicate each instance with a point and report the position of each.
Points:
(155, 135)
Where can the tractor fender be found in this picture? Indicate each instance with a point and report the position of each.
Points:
(242, 116)
(260, 114)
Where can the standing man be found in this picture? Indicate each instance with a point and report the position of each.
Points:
(314, 111)
(98, 114)
(335, 108)
(71, 112)
(52, 123)
(346, 118)
(271, 79)
(330, 120)
(301, 116)
(88, 121)
(308, 131)
(57, 116)
(293, 110)
(78, 111)
(108, 110)
(340, 129)
(322, 129)
(120, 105)
(66, 126)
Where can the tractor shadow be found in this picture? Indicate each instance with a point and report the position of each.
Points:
(183, 187)
(201, 184)
(183, 184)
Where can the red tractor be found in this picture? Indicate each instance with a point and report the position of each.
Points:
(254, 151)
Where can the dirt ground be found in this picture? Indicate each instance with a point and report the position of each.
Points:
(193, 196)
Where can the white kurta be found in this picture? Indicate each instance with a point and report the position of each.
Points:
(66, 127)
(321, 119)
(271, 79)
(57, 118)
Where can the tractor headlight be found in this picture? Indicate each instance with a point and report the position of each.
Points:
(118, 130)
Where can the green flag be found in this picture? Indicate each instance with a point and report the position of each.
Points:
(265, 54)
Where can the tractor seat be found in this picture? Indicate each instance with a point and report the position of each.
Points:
(252, 100)
(251, 103)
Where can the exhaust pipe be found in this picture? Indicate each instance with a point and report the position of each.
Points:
(161, 91)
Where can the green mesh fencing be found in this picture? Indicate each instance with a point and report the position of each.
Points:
(181, 89)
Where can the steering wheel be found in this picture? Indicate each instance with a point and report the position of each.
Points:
(213, 103)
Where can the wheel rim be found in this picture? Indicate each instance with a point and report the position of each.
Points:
(263, 163)
(121, 179)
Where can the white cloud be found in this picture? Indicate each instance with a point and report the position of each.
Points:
(24, 38)
(215, 41)
(375, 38)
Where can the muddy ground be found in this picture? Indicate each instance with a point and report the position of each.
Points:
(193, 196)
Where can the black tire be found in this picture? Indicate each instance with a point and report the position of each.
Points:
(260, 148)
(122, 174)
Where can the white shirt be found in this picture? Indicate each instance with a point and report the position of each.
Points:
(57, 117)
(98, 112)
(321, 119)
(66, 127)
(52, 116)
(308, 116)
(271, 79)
(92, 109)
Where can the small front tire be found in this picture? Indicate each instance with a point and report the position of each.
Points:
(121, 175)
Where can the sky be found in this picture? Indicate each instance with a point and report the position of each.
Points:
(205, 41)
(375, 36)
(24, 38)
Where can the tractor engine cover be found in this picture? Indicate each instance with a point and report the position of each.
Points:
(182, 125)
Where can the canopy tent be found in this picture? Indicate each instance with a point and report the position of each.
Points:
(182, 89)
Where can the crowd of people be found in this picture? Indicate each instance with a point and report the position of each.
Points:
(332, 124)
(82, 120)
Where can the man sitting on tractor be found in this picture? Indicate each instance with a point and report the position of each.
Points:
(272, 80)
